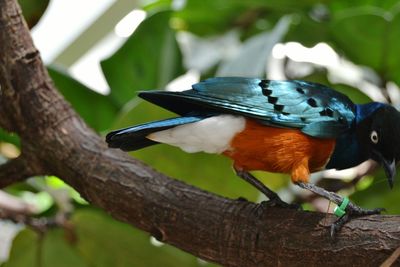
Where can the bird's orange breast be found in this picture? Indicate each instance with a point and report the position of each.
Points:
(260, 147)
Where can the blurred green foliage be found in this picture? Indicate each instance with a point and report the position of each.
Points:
(96, 240)
(33, 10)
(364, 32)
(74, 91)
(149, 59)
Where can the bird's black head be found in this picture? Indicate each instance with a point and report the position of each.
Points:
(379, 135)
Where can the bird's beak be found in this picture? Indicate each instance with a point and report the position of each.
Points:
(389, 165)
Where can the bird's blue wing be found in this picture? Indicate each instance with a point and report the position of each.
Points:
(313, 108)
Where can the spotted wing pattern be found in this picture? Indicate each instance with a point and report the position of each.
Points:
(313, 108)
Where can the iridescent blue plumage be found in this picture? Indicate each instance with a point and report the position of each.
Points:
(348, 150)
(313, 108)
(344, 134)
(133, 138)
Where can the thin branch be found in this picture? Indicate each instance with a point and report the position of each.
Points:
(19, 211)
(392, 259)
(40, 225)
(10, 204)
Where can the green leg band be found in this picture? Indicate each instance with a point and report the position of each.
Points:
(339, 211)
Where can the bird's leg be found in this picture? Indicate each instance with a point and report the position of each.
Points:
(274, 199)
(352, 210)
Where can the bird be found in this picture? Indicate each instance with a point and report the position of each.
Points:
(285, 126)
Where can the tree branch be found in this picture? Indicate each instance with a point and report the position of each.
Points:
(16, 170)
(228, 232)
(4, 121)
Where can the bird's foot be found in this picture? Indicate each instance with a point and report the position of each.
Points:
(274, 199)
(346, 209)
(350, 212)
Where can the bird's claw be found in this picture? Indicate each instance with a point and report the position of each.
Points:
(338, 224)
(352, 211)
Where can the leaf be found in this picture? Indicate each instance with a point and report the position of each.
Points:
(361, 46)
(251, 61)
(122, 245)
(56, 183)
(33, 10)
(393, 54)
(42, 201)
(156, 5)
(199, 17)
(96, 109)
(307, 31)
(50, 250)
(149, 59)
(355, 27)
(379, 195)
(23, 250)
(205, 53)
(58, 252)
(369, 36)
(9, 138)
(339, 5)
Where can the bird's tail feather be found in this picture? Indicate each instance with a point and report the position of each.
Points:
(133, 138)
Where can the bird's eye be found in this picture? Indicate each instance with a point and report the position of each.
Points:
(374, 137)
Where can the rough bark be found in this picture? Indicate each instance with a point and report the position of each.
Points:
(56, 141)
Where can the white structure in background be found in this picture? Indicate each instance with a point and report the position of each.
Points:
(63, 22)
(129, 23)
(87, 69)
(7, 234)
(56, 30)
(339, 69)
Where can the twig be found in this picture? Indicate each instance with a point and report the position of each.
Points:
(389, 261)
(10, 204)
(41, 224)
(18, 211)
